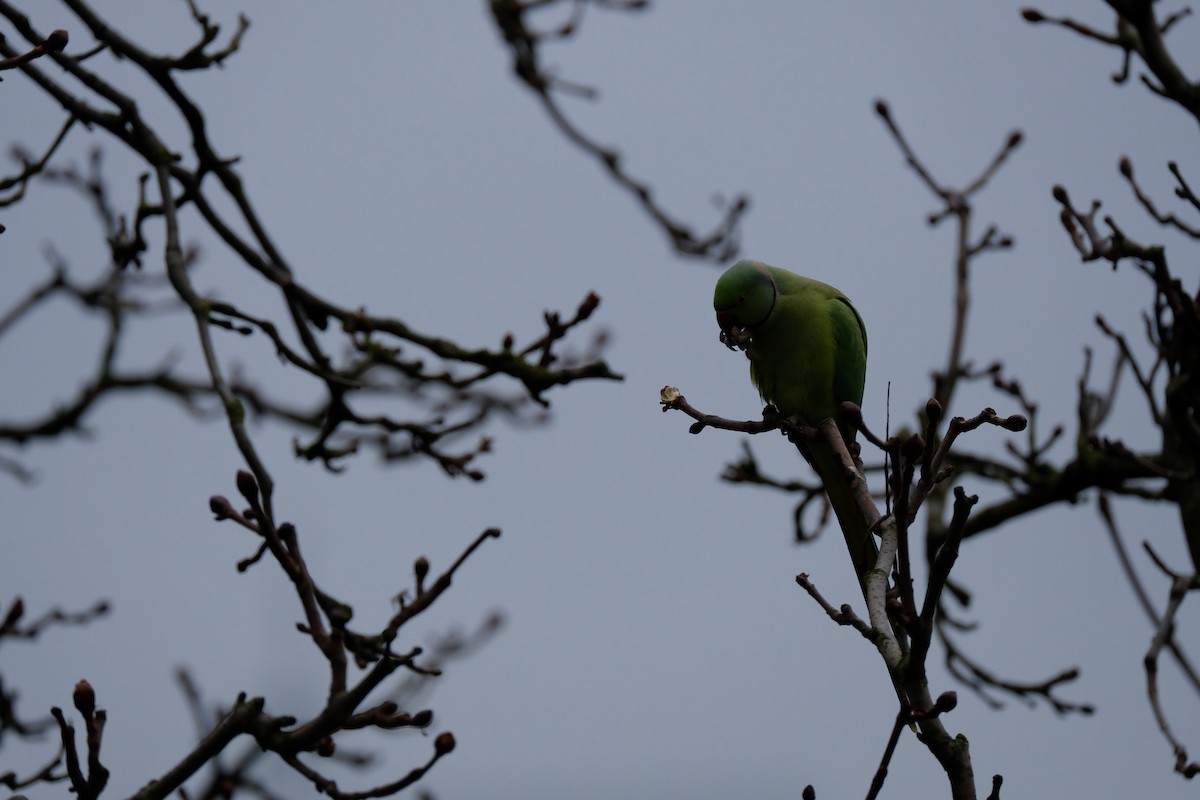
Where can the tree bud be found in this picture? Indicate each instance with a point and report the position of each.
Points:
(56, 41)
(84, 698)
(444, 743)
(1016, 423)
(15, 612)
(588, 305)
(933, 411)
(220, 507)
(248, 486)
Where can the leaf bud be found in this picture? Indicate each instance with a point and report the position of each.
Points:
(248, 486)
(84, 698)
(933, 411)
(15, 612)
(56, 41)
(1016, 423)
(287, 533)
(444, 743)
(220, 507)
(947, 701)
(588, 305)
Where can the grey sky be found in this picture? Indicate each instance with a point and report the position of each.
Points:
(656, 644)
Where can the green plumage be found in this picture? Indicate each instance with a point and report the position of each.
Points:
(808, 354)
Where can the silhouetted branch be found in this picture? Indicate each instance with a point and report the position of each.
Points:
(900, 633)
(14, 626)
(1180, 586)
(1104, 507)
(524, 40)
(54, 43)
(344, 350)
(1137, 30)
(1167, 219)
(956, 204)
(374, 365)
(86, 785)
(30, 168)
(982, 681)
(327, 624)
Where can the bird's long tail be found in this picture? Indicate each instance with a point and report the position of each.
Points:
(839, 488)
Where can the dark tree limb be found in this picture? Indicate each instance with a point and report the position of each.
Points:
(524, 40)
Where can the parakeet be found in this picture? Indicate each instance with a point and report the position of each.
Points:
(808, 354)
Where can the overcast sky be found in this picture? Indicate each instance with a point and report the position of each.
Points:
(655, 641)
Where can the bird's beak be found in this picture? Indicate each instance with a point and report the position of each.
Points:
(733, 336)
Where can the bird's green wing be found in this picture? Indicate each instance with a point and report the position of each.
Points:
(850, 346)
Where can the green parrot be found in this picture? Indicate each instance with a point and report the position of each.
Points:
(808, 354)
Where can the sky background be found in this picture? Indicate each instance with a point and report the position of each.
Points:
(655, 642)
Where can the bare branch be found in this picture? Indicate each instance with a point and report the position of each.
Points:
(1168, 219)
(524, 41)
(1180, 585)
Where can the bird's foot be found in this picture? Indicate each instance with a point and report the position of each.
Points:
(735, 338)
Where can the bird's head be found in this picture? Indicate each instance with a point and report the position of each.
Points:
(743, 299)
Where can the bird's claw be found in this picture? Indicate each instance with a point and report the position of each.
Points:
(735, 338)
